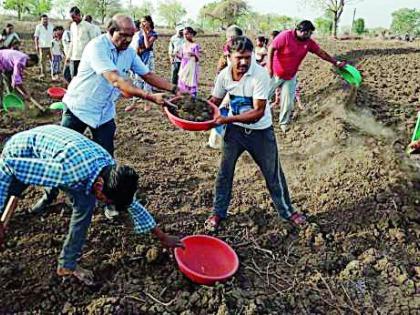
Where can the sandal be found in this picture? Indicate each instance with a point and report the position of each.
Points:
(83, 275)
(213, 222)
(298, 219)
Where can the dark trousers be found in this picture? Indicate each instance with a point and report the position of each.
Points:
(262, 146)
(74, 67)
(103, 135)
(174, 72)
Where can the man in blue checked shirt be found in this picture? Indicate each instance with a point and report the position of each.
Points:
(54, 156)
(101, 79)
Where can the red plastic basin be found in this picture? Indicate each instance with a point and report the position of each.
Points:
(56, 92)
(206, 259)
(191, 125)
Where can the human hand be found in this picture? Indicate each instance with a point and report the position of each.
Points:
(170, 241)
(221, 120)
(158, 98)
(340, 64)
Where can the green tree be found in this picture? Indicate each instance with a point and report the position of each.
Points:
(323, 25)
(229, 11)
(145, 8)
(406, 21)
(359, 26)
(205, 18)
(99, 9)
(62, 7)
(171, 11)
(40, 7)
(335, 7)
(19, 6)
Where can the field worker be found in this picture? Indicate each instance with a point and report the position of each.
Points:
(88, 18)
(81, 33)
(43, 37)
(9, 39)
(54, 156)
(285, 55)
(175, 46)
(12, 65)
(103, 77)
(249, 128)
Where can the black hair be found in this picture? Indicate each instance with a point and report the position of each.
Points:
(189, 29)
(120, 185)
(274, 33)
(44, 16)
(137, 23)
(305, 26)
(75, 10)
(9, 25)
(149, 19)
(240, 44)
(112, 27)
(261, 38)
(34, 58)
(58, 28)
(88, 18)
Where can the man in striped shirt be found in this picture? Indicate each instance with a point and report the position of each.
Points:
(55, 156)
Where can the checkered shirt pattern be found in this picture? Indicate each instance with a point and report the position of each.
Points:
(55, 156)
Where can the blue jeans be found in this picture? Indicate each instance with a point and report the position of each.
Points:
(103, 135)
(262, 146)
(83, 206)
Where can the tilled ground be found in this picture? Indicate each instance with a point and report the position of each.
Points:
(344, 161)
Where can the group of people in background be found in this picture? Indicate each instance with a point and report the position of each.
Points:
(61, 48)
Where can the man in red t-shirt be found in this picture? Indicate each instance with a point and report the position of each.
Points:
(285, 55)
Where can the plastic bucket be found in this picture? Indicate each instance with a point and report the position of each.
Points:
(12, 101)
(351, 75)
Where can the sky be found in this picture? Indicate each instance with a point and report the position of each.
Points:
(376, 13)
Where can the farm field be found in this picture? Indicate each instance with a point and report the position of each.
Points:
(344, 161)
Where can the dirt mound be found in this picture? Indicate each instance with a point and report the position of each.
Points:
(344, 164)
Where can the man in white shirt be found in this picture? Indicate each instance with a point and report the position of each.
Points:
(43, 37)
(175, 47)
(81, 34)
(88, 18)
(249, 128)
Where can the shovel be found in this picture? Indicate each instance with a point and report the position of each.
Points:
(10, 208)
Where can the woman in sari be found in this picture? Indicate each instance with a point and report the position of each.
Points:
(190, 58)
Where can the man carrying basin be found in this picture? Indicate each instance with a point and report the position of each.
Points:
(101, 79)
(54, 156)
(249, 128)
(285, 54)
(12, 64)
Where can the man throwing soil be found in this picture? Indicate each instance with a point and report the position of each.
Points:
(249, 128)
(285, 55)
(102, 78)
(54, 156)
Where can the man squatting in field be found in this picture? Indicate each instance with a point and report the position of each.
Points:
(102, 77)
(54, 156)
(249, 128)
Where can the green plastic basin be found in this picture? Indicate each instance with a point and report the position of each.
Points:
(351, 75)
(12, 101)
(58, 106)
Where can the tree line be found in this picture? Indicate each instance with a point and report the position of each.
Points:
(216, 15)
